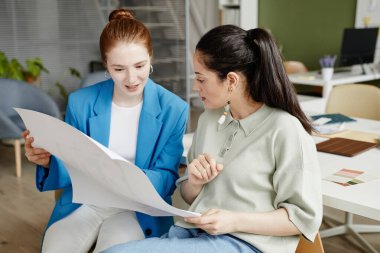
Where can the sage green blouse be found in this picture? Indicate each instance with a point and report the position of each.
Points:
(270, 162)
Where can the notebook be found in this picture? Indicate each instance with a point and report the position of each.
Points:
(344, 147)
(334, 118)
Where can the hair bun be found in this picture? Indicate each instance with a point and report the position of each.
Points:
(120, 14)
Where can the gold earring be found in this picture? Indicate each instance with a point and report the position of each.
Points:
(225, 113)
(226, 109)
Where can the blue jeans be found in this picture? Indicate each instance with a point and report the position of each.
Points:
(182, 240)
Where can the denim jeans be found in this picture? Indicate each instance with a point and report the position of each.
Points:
(182, 240)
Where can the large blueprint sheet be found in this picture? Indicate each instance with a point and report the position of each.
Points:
(98, 175)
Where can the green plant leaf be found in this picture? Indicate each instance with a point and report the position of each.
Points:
(15, 70)
(4, 65)
(34, 67)
(62, 91)
(74, 72)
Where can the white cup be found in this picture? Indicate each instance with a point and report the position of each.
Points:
(327, 73)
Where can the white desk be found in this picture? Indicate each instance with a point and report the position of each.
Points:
(362, 199)
(315, 79)
(312, 104)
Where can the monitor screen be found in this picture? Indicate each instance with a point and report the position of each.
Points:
(358, 46)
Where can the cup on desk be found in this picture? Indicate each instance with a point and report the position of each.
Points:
(327, 73)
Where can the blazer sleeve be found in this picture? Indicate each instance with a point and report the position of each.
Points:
(56, 176)
(164, 171)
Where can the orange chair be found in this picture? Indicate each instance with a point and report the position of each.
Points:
(292, 67)
(305, 246)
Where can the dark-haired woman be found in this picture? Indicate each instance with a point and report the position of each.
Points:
(253, 171)
(135, 118)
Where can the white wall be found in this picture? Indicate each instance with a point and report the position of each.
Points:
(371, 10)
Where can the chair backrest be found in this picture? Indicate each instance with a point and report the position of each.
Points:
(8, 129)
(292, 67)
(304, 246)
(355, 100)
(20, 94)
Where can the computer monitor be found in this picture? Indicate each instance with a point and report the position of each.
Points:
(358, 46)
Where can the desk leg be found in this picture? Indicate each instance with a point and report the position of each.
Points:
(327, 86)
(353, 229)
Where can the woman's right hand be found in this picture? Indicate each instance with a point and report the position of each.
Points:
(203, 169)
(35, 155)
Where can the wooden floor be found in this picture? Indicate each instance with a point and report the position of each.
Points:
(24, 212)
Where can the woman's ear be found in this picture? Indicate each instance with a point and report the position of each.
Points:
(233, 79)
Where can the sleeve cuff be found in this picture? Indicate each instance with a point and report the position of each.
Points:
(307, 224)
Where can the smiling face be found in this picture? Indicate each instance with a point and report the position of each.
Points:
(212, 90)
(128, 65)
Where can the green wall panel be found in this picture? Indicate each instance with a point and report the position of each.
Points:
(307, 29)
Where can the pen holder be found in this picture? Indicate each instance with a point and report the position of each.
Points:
(327, 73)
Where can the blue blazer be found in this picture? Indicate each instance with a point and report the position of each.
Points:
(159, 148)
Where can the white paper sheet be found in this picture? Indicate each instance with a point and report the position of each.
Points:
(98, 175)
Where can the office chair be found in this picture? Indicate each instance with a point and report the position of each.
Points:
(304, 246)
(23, 95)
(355, 100)
(296, 67)
(292, 67)
(362, 101)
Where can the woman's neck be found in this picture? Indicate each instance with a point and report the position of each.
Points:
(126, 101)
(243, 107)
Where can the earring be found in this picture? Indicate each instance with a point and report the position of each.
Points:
(151, 69)
(226, 109)
(106, 75)
(225, 113)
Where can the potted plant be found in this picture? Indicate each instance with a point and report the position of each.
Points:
(33, 70)
(14, 70)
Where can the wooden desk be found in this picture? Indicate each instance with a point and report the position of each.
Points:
(315, 79)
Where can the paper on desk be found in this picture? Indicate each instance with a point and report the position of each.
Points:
(98, 175)
(354, 135)
(347, 177)
(329, 129)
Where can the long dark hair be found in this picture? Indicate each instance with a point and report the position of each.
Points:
(255, 54)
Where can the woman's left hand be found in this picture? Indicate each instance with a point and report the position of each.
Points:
(215, 221)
